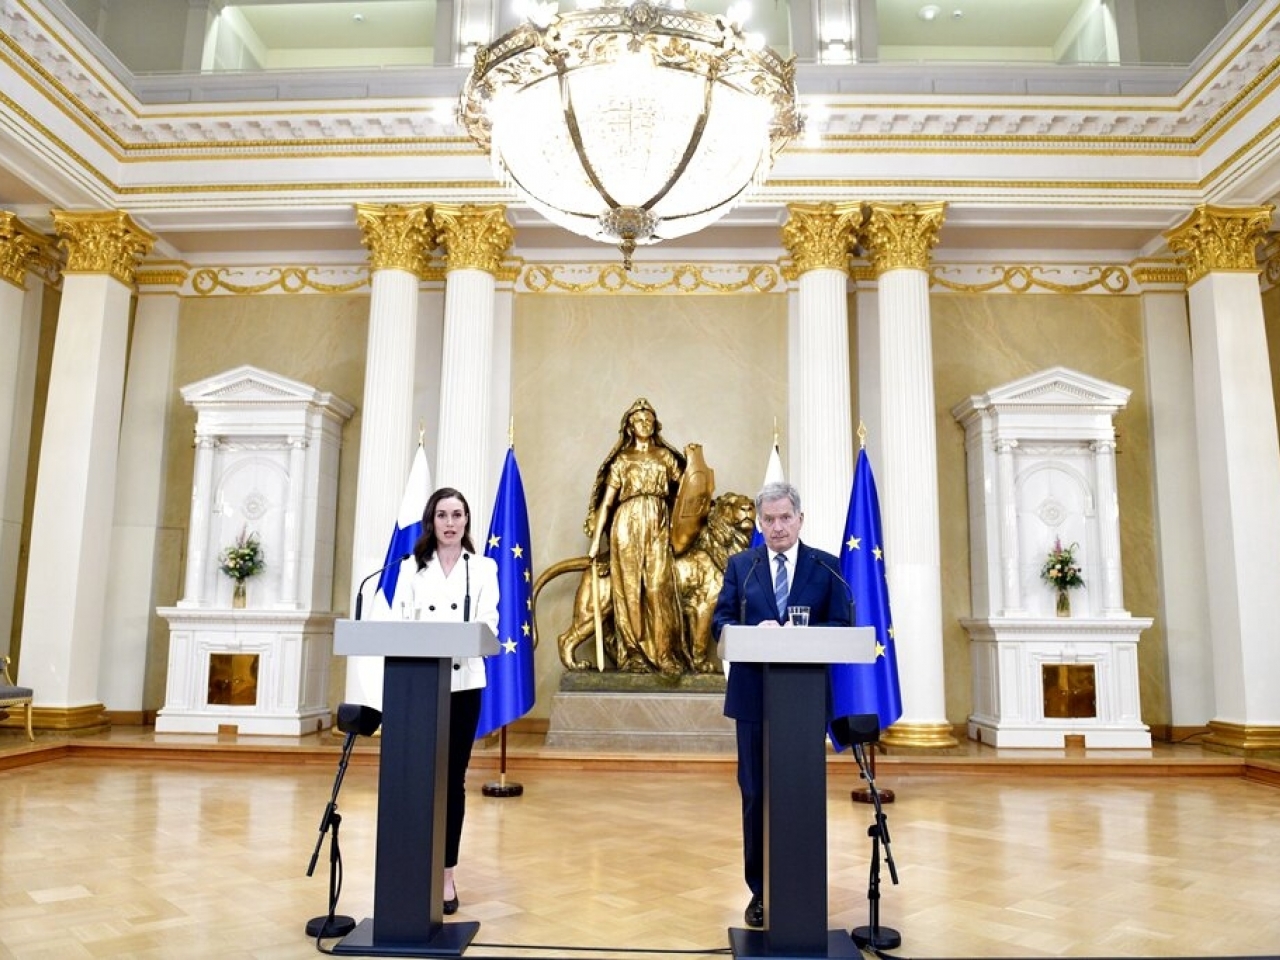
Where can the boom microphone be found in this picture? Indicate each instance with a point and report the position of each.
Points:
(847, 589)
(466, 600)
(742, 604)
(360, 589)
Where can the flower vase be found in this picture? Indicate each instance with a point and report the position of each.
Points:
(238, 596)
(1064, 603)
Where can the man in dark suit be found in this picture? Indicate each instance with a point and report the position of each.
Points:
(760, 584)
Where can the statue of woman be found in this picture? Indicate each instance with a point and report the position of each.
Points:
(630, 510)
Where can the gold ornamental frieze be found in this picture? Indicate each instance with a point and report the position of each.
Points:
(102, 242)
(474, 237)
(247, 281)
(1039, 278)
(1217, 238)
(901, 236)
(821, 236)
(20, 248)
(650, 278)
(398, 237)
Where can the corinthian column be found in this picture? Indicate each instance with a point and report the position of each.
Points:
(21, 297)
(819, 238)
(899, 239)
(399, 239)
(475, 239)
(65, 605)
(1239, 453)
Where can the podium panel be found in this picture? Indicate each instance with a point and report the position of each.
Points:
(408, 908)
(795, 662)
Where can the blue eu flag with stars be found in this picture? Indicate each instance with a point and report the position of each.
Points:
(867, 687)
(509, 688)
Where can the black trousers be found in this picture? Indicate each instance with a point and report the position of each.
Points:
(751, 785)
(464, 717)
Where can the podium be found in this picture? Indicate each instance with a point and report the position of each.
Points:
(795, 787)
(412, 770)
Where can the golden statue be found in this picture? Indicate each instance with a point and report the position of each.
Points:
(656, 531)
(630, 511)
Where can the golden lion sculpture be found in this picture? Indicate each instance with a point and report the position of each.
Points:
(699, 575)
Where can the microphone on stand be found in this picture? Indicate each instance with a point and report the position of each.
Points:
(742, 605)
(466, 600)
(847, 589)
(360, 589)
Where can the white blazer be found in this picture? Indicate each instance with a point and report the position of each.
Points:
(441, 598)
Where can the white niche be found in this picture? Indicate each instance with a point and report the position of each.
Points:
(1041, 458)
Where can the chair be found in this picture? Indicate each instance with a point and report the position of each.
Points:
(11, 695)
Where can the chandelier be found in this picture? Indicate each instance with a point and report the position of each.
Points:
(631, 124)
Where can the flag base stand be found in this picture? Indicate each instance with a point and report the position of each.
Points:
(500, 787)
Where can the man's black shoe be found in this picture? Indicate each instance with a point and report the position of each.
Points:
(754, 915)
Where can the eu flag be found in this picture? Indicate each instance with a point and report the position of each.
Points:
(408, 526)
(867, 687)
(509, 687)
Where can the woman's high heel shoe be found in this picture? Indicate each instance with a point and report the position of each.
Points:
(451, 905)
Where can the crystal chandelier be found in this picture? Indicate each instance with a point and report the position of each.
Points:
(631, 124)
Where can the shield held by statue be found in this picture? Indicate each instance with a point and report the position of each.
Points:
(693, 499)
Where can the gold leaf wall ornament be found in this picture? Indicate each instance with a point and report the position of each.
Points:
(398, 237)
(20, 247)
(1217, 238)
(821, 236)
(901, 236)
(209, 280)
(680, 278)
(473, 236)
(102, 242)
(1024, 279)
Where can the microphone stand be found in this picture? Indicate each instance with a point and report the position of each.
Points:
(332, 924)
(875, 936)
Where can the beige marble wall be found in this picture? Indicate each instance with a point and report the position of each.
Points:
(714, 367)
(318, 340)
(980, 342)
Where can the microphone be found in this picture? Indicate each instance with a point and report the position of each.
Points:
(742, 605)
(847, 589)
(360, 589)
(466, 600)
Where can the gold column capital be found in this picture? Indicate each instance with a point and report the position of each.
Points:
(474, 237)
(19, 247)
(820, 236)
(1219, 239)
(399, 237)
(901, 236)
(102, 242)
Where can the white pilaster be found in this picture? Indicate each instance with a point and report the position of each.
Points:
(822, 455)
(1239, 475)
(139, 497)
(65, 601)
(20, 308)
(909, 479)
(1108, 505)
(1184, 601)
(1007, 512)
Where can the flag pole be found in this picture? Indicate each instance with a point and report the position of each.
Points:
(500, 787)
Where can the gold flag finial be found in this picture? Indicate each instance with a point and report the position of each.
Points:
(422, 432)
(775, 433)
(862, 435)
(511, 432)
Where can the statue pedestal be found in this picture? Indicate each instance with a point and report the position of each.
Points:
(604, 712)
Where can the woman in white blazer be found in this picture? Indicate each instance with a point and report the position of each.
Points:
(452, 583)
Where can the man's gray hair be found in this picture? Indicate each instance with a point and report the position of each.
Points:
(778, 490)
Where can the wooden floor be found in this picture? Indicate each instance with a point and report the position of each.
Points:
(144, 846)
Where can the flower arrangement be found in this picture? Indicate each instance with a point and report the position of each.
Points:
(243, 559)
(1060, 570)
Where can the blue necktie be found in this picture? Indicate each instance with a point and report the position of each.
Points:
(780, 585)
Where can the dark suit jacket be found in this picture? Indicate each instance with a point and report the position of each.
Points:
(747, 598)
